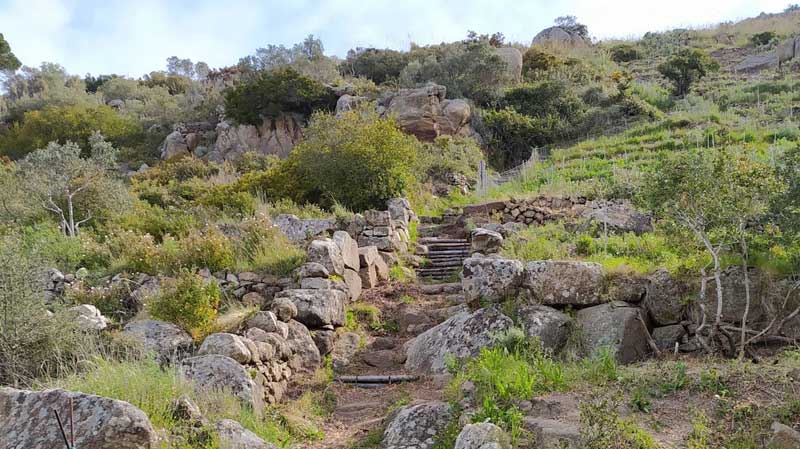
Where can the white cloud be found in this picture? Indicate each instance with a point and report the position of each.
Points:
(134, 38)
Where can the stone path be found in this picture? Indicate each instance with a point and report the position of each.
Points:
(445, 257)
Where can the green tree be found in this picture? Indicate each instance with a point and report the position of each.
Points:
(715, 194)
(67, 123)
(358, 160)
(513, 136)
(73, 188)
(273, 92)
(8, 62)
(378, 65)
(548, 98)
(686, 67)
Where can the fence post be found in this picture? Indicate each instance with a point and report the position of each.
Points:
(482, 181)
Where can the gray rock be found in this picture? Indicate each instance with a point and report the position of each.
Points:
(254, 299)
(311, 270)
(299, 230)
(490, 278)
(369, 276)
(557, 36)
(353, 282)
(317, 308)
(615, 326)
(619, 219)
(229, 345)
(485, 241)
(166, 340)
(27, 421)
(664, 300)
(349, 249)
(326, 253)
(324, 339)
(306, 356)
(462, 335)
(347, 103)
(416, 426)
(552, 434)
(266, 321)
(513, 60)
(482, 436)
(555, 282)
(764, 295)
(368, 255)
(344, 349)
(666, 337)
(218, 372)
(323, 284)
(88, 317)
(549, 325)
(174, 145)
(233, 435)
(284, 309)
(783, 437)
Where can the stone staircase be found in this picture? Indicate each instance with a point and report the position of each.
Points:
(445, 257)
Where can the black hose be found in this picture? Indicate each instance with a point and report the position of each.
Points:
(61, 427)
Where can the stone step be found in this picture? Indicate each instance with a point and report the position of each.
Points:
(435, 289)
(445, 251)
(444, 264)
(434, 240)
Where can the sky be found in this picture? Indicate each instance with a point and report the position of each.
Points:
(135, 37)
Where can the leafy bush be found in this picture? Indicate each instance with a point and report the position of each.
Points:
(273, 92)
(763, 38)
(358, 160)
(228, 200)
(601, 428)
(513, 136)
(545, 99)
(536, 62)
(447, 155)
(624, 53)
(188, 300)
(206, 248)
(67, 123)
(468, 69)
(686, 67)
(378, 65)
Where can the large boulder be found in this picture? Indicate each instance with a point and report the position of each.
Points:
(557, 37)
(556, 282)
(229, 345)
(317, 308)
(553, 434)
(490, 278)
(347, 103)
(783, 437)
(275, 136)
(326, 253)
(549, 325)
(416, 426)
(617, 326)
(512, 58)
(764, 295)
(166, 340)
(301, 229)
(483, 435)
(461, 336)
(425, 113)
(218, 372)
(27, 421)
(353, 282)
(233, 435)
(665, 298)
(485, 241)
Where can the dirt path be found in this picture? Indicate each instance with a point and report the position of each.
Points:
(406, 311)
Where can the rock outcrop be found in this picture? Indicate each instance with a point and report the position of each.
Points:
(218, 372)
(547, 324)
(275, 136)
(558, 36)
(490, 278)
(555, 282)
(425, 113)
(784, 52)
(482, 436)
(513, 60)
(27, 421)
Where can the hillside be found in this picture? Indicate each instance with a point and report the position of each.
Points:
(567, 243)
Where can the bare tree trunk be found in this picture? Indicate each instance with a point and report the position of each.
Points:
(717, 280)
(742, 345)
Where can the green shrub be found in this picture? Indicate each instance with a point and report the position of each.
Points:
(449, 155)
(536, 61)
(378, 65)
(686, 67)
(228, 200)
(68, 123)
(277, 91)
(264, 248)
(146, 218)
(207, 248)
(763, 38)
(177, 169)
(601, 428)
(358, 160)
(33, 344)
(550, 98)
(624, 53)
(513, 136)
(188, 300)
